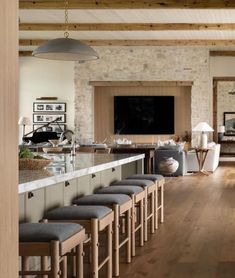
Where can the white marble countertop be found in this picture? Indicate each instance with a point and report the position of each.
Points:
(66, 167)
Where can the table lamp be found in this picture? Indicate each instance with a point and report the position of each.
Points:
(24, 121)
(203, 128)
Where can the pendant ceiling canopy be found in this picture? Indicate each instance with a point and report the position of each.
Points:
(65, 49)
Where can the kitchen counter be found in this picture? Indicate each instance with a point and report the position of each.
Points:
(64, 167)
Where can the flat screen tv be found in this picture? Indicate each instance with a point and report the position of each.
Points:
(144, 115)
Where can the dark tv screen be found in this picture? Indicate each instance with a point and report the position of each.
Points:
(144, 115)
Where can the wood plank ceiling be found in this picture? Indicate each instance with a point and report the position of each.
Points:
(126, 22)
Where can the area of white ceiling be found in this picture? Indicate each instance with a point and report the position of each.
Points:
(131, 16)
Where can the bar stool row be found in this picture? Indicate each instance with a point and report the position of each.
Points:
(120, 211)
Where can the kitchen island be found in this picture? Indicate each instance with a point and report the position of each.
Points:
(69, 177)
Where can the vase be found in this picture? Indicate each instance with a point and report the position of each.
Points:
(168, 166)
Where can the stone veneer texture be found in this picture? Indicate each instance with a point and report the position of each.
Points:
(150, 63)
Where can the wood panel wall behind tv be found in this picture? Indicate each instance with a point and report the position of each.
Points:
(104, 110)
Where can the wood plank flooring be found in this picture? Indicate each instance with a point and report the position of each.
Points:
(197, 239)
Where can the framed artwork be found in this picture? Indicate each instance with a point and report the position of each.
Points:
(51, 127)
(49, 107)
(47, 118)
(229, 123)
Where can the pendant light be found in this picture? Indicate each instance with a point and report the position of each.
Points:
(65, 49)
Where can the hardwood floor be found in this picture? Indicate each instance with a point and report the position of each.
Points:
(198, 236)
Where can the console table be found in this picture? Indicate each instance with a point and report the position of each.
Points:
(148, 150)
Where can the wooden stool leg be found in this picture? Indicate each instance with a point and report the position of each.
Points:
(129, 236)
(116, 239)
(64, 267)
(133, 217)
(156, 208)
(55, 259)
(25, 265)
(162, 203)
(79, 261)
(146, 216)
(44, 265)
(95, 248)
(152, 212)
(141, 217)
(110, 251)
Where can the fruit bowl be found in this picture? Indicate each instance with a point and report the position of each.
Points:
(33, 164)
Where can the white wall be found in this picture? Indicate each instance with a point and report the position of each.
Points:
(41, 78)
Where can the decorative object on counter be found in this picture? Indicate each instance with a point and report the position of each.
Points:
(65, 49)
(55, 147)
(203, 128)
(49, 107)
(229, 123)
(221, 131)
(168, 166)
(24, 121)
(29, 161)
(123, 142)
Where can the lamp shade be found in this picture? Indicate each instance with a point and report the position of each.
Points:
(221, 129)
(24, 121)
(203, 127)
(65, 49)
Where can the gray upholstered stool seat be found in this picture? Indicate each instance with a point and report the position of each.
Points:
(78, 212)
(45, 232)
(102, 199)
(56, 241)
(122, 189)
(134, 182)
(151, 177)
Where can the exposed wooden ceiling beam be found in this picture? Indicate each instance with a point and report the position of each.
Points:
(125, 26)
(35, 42)
(128, 4)
(222, 53)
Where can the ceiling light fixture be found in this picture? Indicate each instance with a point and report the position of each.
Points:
(65, 49)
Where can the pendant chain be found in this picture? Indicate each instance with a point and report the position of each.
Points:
(66, 16)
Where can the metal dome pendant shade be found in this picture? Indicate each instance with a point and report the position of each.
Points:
(65, 49)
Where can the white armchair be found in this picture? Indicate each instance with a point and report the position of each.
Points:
(211, 163)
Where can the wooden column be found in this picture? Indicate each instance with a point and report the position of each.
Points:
(9, 138)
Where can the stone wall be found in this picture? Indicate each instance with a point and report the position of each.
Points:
(143, 64)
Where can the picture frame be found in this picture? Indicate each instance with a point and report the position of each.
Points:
(48, 107)
(229, 123)
(51, 127)
(47, 118)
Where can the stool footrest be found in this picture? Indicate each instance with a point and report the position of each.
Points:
(103, 263)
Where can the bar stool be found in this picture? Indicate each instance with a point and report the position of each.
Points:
(94, 219)
(149, 201)
(159, 182)
(137, 195)
(121, 205)
(52, 240)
